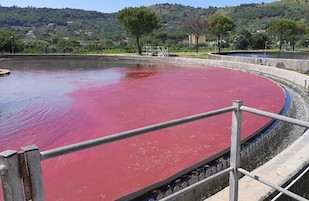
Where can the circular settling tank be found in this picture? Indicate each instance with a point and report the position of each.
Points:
(52, 103)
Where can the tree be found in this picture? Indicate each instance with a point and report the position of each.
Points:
(220, 25)
(286, 29)
(278, 27)
(259, 41)
(195, 26)
(7, 42)
(35, 45)
(242, 42)
(138, 21)
(298, 29)
(67, 46)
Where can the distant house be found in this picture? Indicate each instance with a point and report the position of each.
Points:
(30, 34)
(201, 39)
(260, 31)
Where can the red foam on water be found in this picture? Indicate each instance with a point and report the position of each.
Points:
(142, 98)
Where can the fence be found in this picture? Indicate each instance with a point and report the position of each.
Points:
(21, 173)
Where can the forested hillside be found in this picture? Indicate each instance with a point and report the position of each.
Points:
(68, 22)
(259, 16)
(89, 27)
(58, 22)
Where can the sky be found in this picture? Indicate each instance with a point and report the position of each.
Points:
(109, 6)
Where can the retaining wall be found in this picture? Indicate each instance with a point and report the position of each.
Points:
(299, 65)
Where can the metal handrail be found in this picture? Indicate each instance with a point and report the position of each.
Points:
(187, 189)
(275, 116)
(278, 188)
(292, 183)
(123, 135)
(162, 52)
(3, 170)
(243, 171)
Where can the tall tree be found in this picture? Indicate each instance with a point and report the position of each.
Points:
(138, 21)
(220, 25)
(297, 30)
(195, 26)
(286, 29)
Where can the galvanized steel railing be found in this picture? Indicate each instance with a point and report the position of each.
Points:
(21, 173)
(99, 141)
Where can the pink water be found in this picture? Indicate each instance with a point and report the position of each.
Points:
(57, 104)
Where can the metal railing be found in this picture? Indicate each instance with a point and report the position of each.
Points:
(21, 173)
(292, 183)
(162, 52)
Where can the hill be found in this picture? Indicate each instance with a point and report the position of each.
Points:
(95, 26)
(44, 22)
(249, 16)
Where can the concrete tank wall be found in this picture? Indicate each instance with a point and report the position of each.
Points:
(299, 65)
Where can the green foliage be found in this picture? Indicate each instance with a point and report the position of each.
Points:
(247, 40)
(172, 15)
(259, 41)
(7, 41)
(35, 46)
(90, 31)
(246, 33)
(286, 29)
(138, 22)
(30, 16)
(256, 11)
(281, 27)
(242, 43)
(221, 25)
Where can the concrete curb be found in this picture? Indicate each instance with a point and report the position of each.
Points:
(299, 65)
(283, 167)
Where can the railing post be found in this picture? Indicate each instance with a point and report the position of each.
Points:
(11, 181)
(235, 150)
(33, 183)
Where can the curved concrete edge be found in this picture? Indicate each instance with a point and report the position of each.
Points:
(300, 65)
(297, 78)
(277, 171)
(4, 72)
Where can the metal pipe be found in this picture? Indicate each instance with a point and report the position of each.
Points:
(182, 191)
(278, 188)
(292, 183)
(12, 184)
(104, 140)
(3, 170)
(275, 116)
(235, 151)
